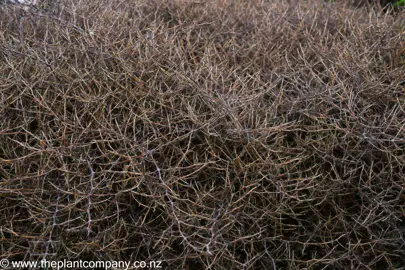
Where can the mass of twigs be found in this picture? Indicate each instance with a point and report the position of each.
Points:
(205, 134)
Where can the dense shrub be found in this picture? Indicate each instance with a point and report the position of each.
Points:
(206, 134)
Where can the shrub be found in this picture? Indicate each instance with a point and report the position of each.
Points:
(214, 134)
